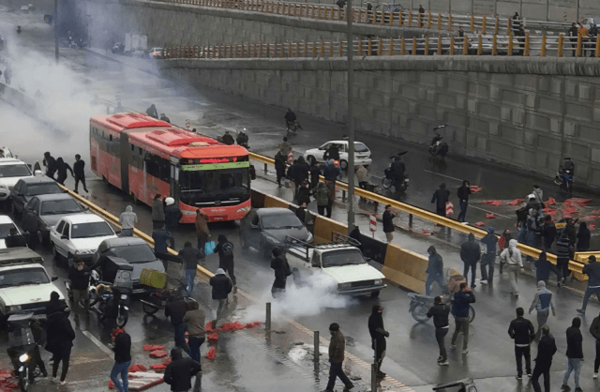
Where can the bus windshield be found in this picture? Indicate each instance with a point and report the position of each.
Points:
(210, 185)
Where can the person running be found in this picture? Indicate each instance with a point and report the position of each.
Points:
(190, 256)
(225, 250)
(461, 307)
(50, 164)
(470, 253)
(378, 335)
(221, 287)
(439, 311)
(522, 332)
(180, 371)
(337, 347)
(388, 223)
(542, 303)
(592, 270)
(128, 220)
(488, 259)
(60, 336)
(122, 350)
(543, 361)
(280, 166)
(202, 231)
(512, 257)
(435, 270)
(195, 320)
(574, 355)
(543, 267)
(595, 331)
(79, 173)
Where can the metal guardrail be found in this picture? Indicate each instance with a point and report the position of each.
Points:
(494, 45)
(413, 211)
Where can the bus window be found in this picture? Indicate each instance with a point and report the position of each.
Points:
(110, 138)
(132, 147)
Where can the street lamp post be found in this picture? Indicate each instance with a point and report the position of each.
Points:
(56, 30)
(350, 39)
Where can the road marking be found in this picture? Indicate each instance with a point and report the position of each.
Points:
(98, 343)
(443, 175)
(491, 212)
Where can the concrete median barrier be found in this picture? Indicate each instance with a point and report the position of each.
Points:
(405, 268)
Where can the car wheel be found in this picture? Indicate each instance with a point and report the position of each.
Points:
(344, 165)
(311, 160)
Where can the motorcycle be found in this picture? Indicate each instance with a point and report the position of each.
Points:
(242, 139)
(420, 304)
(564, 179)
(388, 181)
(292, 127)
(21, 346)
(437, 147)
(105, 295)
(93, 295)
(157, 299)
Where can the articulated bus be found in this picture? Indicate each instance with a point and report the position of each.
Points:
(144, 157)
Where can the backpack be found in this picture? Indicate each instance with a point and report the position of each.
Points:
(227, 249)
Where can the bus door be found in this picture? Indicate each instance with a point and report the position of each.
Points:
(125, 160)
(174, 181)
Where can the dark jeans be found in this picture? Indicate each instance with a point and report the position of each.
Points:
(123, 370)
(322, 209)
(563, 267)
(228, 267)
(202, 238)
(588, 293)
(36, 360)
(473, 267)
(336, 371)
(523, 352)
(62, 354)
(440, 335)
(541, 368)
(157, 224)
(195, 344)
(441, 211)
(77, 180)
(463, 210)
(180, 337)
(487, 267)
(434, 278)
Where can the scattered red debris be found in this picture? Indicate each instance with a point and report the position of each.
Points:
(551, 201)
(479, 224)
(496, 203)
(167, 361)
(158, 354)
(427, 232)
(592, 217)
(516, 201)
(111, 385)
(158, 368)
(137, 368)
(592, 227)
(475, 189)
(149, 347)
(490, 216)
(210, 354)
(232, 326)
(213, 336)
(253, 324)
(488, 201)
(579, 201)
(208, 327)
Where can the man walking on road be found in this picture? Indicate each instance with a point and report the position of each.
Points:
(128, 219)
(388, 223)
(221, 287)
(522, 332)
(79, 173)
(592, 270)
(202, 231)
(79, 276)
(439, 311)
(512, 257)
(282, 270)
(488, 259)
(595, 331)
(337, 347)
(543, 267)
(435, 270)
(470, 253)
(122, 351)
(563, 254)
(574, 354)
(463, 198)
(160, 237)
(190, 257)
(543, 361)
(440, 197)
(378, 335)
(225, 250)
(175, 309)
(542, 303)
(460, 311)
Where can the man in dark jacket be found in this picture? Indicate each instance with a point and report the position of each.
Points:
(282, 270)
(15, 240)
(55, 304)
(460, 310)
(331, 171)
(440, 198)
(488, 259)
(50, 164)
(79, 173)
(548, 232)
(398, 169)
(304, 194)
(228, 139)
(463, 199)
(470, 253)
(439, 311)
(378, 335)
(190, 256)
(337, 347)
(122, 351)
(175, 309)
(522, 332)
(574, 354)
(160, 237)
(152, 112)
(172, 213)
(79, 276)
(62, 168)
(333, 152)
(435, 270)
(543, 361)
(225, 250)
(388, 223)
(592, 270)
(180, 371)
(595, 331)
(60, 336)
(563, 254)
(543, 267)
(315, 172)
(280, 166)
(221, 287)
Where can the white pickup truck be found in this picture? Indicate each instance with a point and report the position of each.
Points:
(341, 266)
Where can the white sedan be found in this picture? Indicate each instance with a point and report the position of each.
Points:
(79, 236)
(5, 225)
(362, 154)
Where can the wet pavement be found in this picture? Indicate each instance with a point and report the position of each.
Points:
(247, 361)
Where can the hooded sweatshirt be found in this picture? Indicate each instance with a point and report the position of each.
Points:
(543, 299)
(221, 285)
(592, 270)
(128, 219)
(225, 250)
(595, 329)
(158, 210)
(440, 197)
(464, 191)
(180, 371)
(376, 329)
(512, 255)
(583, 237)
(575, 340)
(435, 266)
(543, 267)
(470, 251)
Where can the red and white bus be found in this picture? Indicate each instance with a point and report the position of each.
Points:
(144, 157)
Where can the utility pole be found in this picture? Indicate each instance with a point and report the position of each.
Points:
(56, 30)
(350, 39)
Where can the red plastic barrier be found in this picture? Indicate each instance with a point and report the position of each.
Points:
(149, 347)
(210, 354)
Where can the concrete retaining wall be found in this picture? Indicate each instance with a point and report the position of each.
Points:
(521, 112)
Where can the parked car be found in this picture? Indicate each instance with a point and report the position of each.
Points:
(5, 225)
(362, 154)
(118, 47)
(136, 252)
(11, 171)
(28, 187)
(587, 23)
(44, 211)
(78, 236)
(266, 228)
(156, 53)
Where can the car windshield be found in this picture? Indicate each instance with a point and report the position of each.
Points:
(211, 185)
(134, 253)
(20, 170)
(93, 229)
(23, 276)
(280, 221)
(342, 257)
(5, 229)
(54, 207)
(43, 189)
(360, 147)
